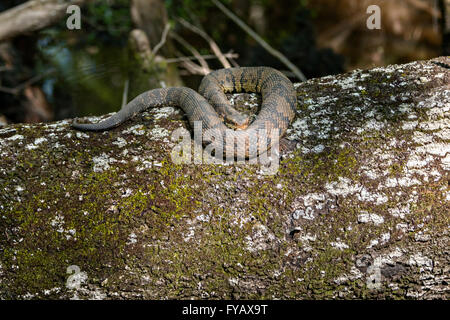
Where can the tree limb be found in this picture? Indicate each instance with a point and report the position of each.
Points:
(32, 16)
(162, 41)
(204, 65)
(212, 44)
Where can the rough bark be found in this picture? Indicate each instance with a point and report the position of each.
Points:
(33, 15)
(359, 207)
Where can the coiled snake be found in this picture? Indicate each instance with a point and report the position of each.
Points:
(211, 106)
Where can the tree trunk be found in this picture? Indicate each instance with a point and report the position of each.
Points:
(358, 208)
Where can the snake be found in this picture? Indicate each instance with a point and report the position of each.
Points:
(211, 107)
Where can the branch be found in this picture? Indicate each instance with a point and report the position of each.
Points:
(212, 44)
(162, 41)
(233, 62)
(32, 16)
(125, 93)
(193, 68)
(261, 41)
(204, 65)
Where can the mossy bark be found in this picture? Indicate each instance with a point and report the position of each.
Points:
(359, 207)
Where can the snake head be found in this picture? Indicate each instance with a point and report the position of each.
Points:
(239, 121)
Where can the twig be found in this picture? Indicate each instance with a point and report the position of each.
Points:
(212, 44)
(162, 41)
(203, 63)
(233, 62)
(261, 41)
(192, 67)
(125, 93)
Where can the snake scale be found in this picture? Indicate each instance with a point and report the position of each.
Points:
(211, 107)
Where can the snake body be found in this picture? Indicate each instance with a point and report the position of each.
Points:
(211, 106)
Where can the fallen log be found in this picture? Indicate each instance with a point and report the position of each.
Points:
(358, 208)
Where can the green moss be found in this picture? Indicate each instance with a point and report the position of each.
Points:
(395, 169)
(174, 196)
(94, 209)
(322, 167)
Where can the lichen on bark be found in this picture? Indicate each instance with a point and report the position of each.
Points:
(359, 207)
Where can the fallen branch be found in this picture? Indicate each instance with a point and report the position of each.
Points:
(32, 16)
(261, 41)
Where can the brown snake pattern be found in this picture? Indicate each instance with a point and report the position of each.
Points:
(211, 106)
